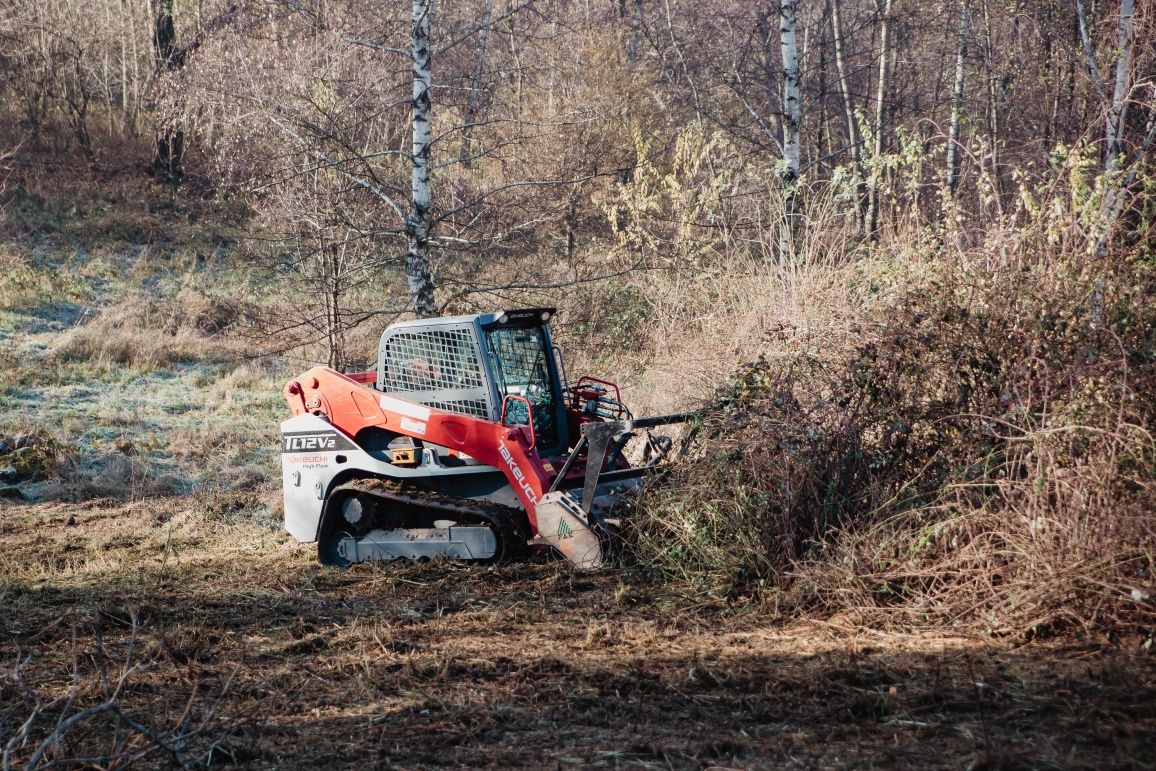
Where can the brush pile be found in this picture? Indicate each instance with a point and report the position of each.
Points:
(984, 456)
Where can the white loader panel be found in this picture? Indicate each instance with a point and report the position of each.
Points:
(312, 452)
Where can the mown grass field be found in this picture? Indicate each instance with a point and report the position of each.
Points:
(215, 640)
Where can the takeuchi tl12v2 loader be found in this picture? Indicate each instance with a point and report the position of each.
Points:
(468, 442)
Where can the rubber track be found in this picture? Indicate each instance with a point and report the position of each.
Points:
(503, 520)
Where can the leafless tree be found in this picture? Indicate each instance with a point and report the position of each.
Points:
(418, 223)
(953, 135)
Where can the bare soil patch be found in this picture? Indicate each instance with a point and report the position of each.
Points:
(206, 638)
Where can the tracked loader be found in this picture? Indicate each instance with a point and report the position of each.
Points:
(468, 442)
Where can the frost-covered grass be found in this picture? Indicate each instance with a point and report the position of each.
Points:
(121, 369)
(181, 429)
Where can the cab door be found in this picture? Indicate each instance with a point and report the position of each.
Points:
(521, 362)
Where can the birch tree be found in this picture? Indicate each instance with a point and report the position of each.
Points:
(1115, 113)
(953, 133)
(792, 106)
(417, 225)
(1116, 106)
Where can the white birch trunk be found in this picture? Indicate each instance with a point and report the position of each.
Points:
(1114, 130)
(1089, 55)
(853, 138)
(417, 226)
(872, 219)
(957, 103)
(1113, 136)
(792, 117)
(1116, 113)
(792, 101)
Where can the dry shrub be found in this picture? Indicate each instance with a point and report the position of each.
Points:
(28, 452)
(115, 475)
(980, 457)
(147, 332)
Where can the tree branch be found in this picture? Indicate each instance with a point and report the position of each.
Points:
(485, 25)
(360, 181)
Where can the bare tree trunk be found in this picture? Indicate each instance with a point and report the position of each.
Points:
(848, 109)
(137, 80)
(333, 328)
(1114, 130)
(170, 147)
(1116, 113)
(1113, 136)
(995, 90)
(1089, 55)
(821, 125)
(635, 33)
(106, 72)
(126, 30)
(1051, 131)
(417, 226)
(519, 78)
(957, 103)
(872, 219)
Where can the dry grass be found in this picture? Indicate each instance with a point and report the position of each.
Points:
(190, 631)
(133, 375)
(202, 429)
(672, 333)
(146, 333)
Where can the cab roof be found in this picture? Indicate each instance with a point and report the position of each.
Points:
(513, 317)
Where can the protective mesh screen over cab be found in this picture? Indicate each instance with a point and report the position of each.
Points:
(436, 367)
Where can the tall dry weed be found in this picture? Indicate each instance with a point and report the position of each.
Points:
(765, 290)
(147, 332)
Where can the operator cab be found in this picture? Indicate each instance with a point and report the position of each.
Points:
(493, 366)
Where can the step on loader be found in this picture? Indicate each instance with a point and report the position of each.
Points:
(467, 442)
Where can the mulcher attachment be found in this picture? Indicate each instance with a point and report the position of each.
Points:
(578, 523)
